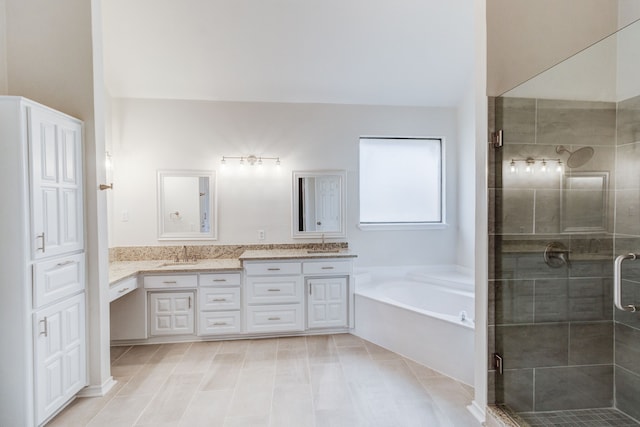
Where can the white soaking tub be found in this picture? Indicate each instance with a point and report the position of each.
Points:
(423, 313)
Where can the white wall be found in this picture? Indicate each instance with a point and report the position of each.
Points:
(466, 194)
(154, 134)
(526, 37)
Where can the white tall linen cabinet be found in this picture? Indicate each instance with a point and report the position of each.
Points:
(43, 356)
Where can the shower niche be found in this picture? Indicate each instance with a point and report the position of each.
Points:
(567, 174)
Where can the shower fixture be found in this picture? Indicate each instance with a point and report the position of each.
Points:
(530, 163)
(576, 158)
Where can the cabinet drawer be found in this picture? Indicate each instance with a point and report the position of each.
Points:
(220, 279)
(56, 279)
(219, 299)
(274, 290)
(122, 288)
(275, 318)
(219, 322)
(173, 281)
(326, 267)
(272, 268)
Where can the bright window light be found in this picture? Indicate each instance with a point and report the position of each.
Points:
(401, 180)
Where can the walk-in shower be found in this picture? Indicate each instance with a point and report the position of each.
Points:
(564, 193)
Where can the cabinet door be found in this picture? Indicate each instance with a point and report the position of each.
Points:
(171, 313)
(61, 364)
(327, 302)
(55, 147)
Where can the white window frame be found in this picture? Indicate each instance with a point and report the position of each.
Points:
(383, 226)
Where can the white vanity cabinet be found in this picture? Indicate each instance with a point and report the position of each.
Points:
(43, 351)
(171, 303)
(327, 284)
(274, 296)
(219, 303)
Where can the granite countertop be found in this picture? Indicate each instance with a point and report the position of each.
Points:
(276, 254)
(124, 269)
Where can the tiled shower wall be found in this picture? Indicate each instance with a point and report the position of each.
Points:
(553, 327)
(627, 239)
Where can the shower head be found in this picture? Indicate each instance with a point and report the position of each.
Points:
(578, 157)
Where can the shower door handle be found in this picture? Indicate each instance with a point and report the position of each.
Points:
(617, 279)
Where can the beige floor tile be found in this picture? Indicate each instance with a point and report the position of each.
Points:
(292, 406)
(316, 381)
(292, 371)
(250, 421)
(80, 412)
(249, 401)
(207, 409)
(118, 351)
(347, 340)
(121, 411)
(292, 343)
(171, 401)
(221, 376)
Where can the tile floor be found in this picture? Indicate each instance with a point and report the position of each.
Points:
(578, 418)
(327, 380)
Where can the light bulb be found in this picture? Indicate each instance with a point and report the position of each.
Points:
(260, 161)
(241, 161)
(512, 166)
(278, 162)
(559, 167)
(544, 165)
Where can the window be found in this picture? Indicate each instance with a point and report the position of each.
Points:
(401, 183)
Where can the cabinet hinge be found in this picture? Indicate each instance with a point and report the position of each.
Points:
(496, 139)
(498, 363)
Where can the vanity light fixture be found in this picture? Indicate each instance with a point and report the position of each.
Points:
(250, 159)
(530, 164)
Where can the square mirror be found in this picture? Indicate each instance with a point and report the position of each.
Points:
(319, 204)
(187, 205)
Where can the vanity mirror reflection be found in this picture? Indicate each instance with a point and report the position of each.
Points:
(319, 204)
(187, 205)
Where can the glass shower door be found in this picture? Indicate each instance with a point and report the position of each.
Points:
(564, 202)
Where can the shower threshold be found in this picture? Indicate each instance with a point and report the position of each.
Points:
(578, 418)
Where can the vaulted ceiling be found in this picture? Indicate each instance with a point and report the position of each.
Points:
(382, 52)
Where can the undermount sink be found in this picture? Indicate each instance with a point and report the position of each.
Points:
(323, 251)
(177, 263)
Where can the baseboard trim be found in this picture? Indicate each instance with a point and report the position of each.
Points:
(97, 390)
(477, 411)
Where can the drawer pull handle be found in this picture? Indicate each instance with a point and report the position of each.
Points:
(220, 324)
(123, 290)
(274, 318)
(219, 299)
(46, 331)
(169, 281)
(41, 236)
(273, 290)
(273, 269)
(189, 302)
(327, 268)
(219, 280)
(62, 264)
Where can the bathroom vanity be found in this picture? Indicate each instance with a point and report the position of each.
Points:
(263, 293)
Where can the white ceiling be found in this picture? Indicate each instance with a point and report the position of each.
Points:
(384, 52)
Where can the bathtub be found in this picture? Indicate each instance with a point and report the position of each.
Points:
(425, 314)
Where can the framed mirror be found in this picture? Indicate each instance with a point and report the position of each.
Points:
(187, 205)
(584, 202)
(319, 204)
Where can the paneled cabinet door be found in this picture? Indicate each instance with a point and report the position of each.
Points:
(171, 313)
(327, 302)
(61, 356)
(55, 147)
